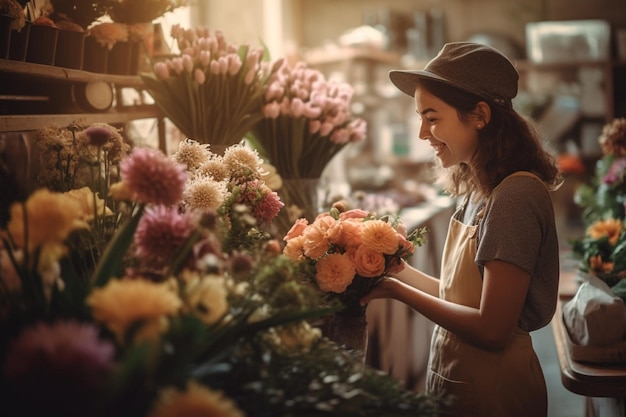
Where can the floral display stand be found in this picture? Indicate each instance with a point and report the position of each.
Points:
(42, 44)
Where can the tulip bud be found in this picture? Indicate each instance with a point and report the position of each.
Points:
(199, 76)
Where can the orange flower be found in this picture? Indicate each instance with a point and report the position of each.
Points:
(317, 237)
(294, 249)
(368, 262)
(597, 264)
(297, 229)
(380, 236)
(347, 234)
(610, 228)
(334, 272)
(353, 214)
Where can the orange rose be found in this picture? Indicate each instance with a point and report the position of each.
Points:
(316, 241)
(368, 262)
(297, 229)
(334, 272)
(353, 214)
(294, 249)
(380, 236)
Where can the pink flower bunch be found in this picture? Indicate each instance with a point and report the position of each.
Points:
(307, 120)
(212, 90)
(109, 33)
(350, 250)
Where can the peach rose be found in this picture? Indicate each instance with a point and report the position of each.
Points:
(334, 272)
(353, 214)
(316, 237)
(368, 262)
(294, 249)
(350, 234)
(297, 229)
(380, 236)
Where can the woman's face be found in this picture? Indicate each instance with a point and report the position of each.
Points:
(454, 140)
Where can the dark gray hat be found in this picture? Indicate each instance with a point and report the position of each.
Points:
(476, 68)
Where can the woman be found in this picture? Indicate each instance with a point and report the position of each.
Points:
(500, 267)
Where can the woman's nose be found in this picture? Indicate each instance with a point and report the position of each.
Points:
(423, 132)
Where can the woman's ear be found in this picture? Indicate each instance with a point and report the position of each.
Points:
(483, 113)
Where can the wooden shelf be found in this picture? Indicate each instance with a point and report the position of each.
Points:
(67, 74)
(23, 73)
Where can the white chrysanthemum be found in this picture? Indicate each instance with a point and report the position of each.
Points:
(204, 193)
(192, 154)
(244, 164)
(215, 168)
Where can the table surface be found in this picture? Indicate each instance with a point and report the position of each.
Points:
(588, 379)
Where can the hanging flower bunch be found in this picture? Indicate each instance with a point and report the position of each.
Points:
(170, 320)
(306, 120)
(109, 33)
(80, 12)
(602, 251)
(14, 9)
(140, 11)
(212, 91)
(347, 252)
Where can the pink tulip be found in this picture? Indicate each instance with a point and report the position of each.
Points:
(161, 70)
(199, 76)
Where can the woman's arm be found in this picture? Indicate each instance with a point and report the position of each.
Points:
(419, 280)
(489, 326)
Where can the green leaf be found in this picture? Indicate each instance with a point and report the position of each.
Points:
(111, 262)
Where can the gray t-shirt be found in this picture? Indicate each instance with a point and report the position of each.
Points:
(518, 226)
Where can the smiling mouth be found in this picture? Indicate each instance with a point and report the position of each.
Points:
(438, 147)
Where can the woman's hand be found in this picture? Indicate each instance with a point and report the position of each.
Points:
(385, 288)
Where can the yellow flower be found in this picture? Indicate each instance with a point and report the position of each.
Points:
(207, 298)
(120, 191)
(50, 219)
(196, 400)
(86, 198)
(610, 228)
(122, 304)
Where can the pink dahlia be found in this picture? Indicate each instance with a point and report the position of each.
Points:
(153, 177)
(161, 232)
(264, 203)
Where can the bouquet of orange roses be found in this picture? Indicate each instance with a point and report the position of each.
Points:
(347, 252)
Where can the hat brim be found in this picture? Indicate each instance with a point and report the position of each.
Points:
(406, 81)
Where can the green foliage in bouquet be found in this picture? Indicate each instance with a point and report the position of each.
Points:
(602, 251)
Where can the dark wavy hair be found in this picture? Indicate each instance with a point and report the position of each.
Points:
(510, 142)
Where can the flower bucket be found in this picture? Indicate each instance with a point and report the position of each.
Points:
(42, 43)
(350, 332)
(301, 198)
(119, 59)
(70, 47)
(5, 35)
(19, 43)
(95, 56)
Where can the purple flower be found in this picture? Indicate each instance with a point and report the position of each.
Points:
(263, 202)
(161, 232)
(56, 368)
(153, 177)
(98, 135)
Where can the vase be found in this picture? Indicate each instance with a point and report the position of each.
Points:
(42, 44)
(349, 331)
(5, 35)
(119, 59)
(70, 49)
(19, 43)
(301, 199)
(95, 56)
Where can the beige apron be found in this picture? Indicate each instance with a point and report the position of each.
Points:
(480, 382)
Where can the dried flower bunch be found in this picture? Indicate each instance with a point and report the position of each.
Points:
(80, 12)
(140, 11)
(602, 251)
(14, 9)
(347, 252)
(212, 92)
(306, 120)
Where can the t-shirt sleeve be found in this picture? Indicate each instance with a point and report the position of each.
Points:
(514, 225)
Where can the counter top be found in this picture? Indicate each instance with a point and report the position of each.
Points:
(588, 379)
